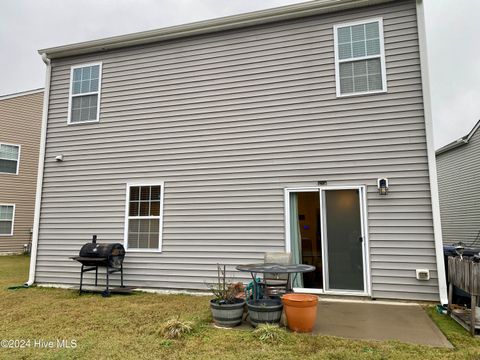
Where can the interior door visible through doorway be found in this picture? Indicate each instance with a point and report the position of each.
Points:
(326, 230)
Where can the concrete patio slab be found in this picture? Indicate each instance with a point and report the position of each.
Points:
(374, 321)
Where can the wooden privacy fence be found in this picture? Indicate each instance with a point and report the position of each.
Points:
(465, 275)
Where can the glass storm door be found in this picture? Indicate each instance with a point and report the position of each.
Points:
(343, 240)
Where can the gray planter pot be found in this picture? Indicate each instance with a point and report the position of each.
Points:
(227, 315)
(264, 311)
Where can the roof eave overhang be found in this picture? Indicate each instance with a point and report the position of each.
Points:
(459, 142)
(451, 146)
(203, 27)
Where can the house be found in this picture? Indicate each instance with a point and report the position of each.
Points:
(458, 165)
(20, 123)
(218, 141)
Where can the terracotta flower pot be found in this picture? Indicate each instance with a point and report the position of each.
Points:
(301, 311)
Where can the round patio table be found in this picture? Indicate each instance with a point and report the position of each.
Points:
(277, 269)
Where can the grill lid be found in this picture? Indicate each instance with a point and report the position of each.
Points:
(101, 254)
(102, 250)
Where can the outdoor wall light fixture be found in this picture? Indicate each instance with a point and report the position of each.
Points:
(382, 186)
(59, 157)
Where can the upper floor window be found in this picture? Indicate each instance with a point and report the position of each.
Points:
(9, 158)
(7, 214)
(360, 58)
(144, 217)
(84, 102)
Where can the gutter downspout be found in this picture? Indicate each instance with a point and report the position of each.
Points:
(432, 165)
(41, 162)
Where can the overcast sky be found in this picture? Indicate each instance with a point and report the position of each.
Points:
(28, 25)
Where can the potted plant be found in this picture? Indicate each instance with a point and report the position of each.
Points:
(227, 307)
(264, 311)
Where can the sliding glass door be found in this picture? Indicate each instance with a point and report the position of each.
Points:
(326, 230)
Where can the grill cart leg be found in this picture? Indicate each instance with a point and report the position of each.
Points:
(106, 292)
(96, 275)
(121, 275)
(81, 281)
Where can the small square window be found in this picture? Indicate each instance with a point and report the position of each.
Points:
(134, 193)
(134, 208)
(144, 208)
(358, 33)
(344, 35)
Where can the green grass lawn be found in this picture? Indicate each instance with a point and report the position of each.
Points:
(127, 327)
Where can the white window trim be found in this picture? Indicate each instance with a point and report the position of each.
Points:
(381, 56)
(71, 95)
(160, 217)
(13, 219)
(18, 158)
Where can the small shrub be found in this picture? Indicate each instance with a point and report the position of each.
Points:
(176, 328)
(269, 333)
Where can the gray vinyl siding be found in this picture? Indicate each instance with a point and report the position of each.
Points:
(459, 190)
(227, 121)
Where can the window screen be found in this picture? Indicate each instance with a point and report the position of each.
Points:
(85, 93)
(9, 158)
(359, 58)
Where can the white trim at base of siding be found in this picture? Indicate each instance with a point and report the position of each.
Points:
(145, 290)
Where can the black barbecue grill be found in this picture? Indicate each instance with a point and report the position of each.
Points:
(94, 255)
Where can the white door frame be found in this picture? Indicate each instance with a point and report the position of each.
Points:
(364, 223)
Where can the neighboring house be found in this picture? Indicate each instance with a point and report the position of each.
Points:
(20, 124)
(218, 141)
(458, 166)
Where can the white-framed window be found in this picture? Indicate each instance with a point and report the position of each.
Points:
(144, 216)
(9, 158)
(360, 58)
(85, 87)
(7, 216)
